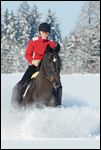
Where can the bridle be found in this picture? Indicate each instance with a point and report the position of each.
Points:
(51, 77)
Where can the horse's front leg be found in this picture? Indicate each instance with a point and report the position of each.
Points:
(52, 101)
(59, 96)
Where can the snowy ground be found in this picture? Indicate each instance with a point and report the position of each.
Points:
(74, 125)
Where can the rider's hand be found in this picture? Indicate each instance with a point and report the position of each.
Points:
(36, 62)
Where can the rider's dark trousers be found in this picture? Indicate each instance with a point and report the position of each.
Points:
(29, 72)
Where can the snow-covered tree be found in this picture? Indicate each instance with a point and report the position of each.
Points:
(55, 29)
(10, 48)
(80, 51)
(72, 61)
(24, 27)
(34, 21)
(89, 16)
(10, 27)
(88, 30)
(6, 14)
(2, 23)
(9, 56)
(82, 47)
(9, 45)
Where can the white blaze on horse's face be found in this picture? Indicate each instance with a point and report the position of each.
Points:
(54, 59)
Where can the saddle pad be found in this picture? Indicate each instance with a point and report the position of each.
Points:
(34, 75)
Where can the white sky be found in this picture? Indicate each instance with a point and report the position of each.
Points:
(67, 12)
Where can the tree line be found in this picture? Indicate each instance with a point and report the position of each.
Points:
(80, 50)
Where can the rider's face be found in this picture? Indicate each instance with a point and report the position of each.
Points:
(44, 35)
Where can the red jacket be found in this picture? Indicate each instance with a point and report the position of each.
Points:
(36, 48)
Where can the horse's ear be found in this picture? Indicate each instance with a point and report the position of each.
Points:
(57, 49)
(48, 49)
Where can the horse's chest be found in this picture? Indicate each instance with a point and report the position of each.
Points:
(43, 91)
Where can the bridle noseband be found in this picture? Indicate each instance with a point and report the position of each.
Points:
(50, 77)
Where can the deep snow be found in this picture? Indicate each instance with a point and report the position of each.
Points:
(78, 117)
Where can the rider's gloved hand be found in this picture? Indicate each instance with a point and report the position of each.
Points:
(36, 62)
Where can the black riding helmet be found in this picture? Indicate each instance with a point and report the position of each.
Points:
(44, 27)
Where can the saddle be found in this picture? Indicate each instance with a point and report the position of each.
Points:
(28, 82)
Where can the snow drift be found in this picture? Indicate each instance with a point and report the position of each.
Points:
(78, 117)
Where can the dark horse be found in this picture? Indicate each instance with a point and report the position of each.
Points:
(46, 88)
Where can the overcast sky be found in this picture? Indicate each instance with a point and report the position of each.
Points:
(67, 12)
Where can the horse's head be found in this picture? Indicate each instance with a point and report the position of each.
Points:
(51, 65)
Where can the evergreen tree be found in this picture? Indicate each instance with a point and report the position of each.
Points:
(34, 21)
(89, 32)
(24, 27)
(89, 16)
(6, 14)
(10, 27)
(73, 54)
(55, 30)
(9, 46)
(2, 24)
(82, 47)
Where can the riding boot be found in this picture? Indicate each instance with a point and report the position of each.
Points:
(24, 87)
(59, 95)
(27, 75)
(26, 79)
(16, 94)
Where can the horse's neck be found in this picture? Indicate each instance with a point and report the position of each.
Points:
(41, 77)
(42, 84)
(42, 71)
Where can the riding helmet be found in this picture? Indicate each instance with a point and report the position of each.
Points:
(44, 27)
